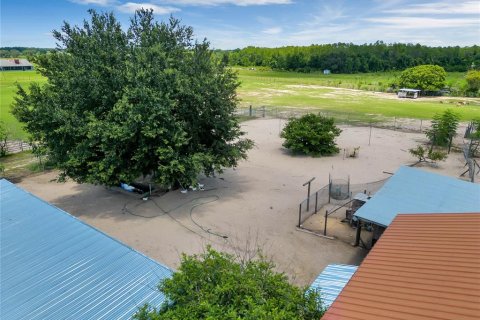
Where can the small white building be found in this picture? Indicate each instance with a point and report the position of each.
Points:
(15, 64)
(326, 71)
(408, 93)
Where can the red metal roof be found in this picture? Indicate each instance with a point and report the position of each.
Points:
(425, 266)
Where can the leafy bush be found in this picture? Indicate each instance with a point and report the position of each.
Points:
(215, 286)
(473, 81)
(423, 156)
(444, 127)
(312, 135)
(3, 139)
(425, 77)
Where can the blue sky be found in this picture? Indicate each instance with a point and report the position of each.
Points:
(230, 24)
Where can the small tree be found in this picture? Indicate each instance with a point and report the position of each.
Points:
(215, 286)
(425, 77)
(444, 128)
(311, 134)
(473, 81)
(122, 102)
(431, 156)
(3, 139)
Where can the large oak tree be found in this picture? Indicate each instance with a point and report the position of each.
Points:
(121, 104)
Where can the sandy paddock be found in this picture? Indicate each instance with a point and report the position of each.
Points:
(255, 204)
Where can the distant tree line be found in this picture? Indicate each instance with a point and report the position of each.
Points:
(21, 52)
(352, 58)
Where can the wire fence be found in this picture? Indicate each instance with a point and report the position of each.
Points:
(374, 120)
(337, 194)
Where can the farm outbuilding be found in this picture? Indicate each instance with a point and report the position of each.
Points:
(54, 266)
(425, 267)
(414, 190)
(15, 65)
(408, 93)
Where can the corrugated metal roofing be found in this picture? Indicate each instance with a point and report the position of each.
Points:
(419, 191)
(53, 266)
(12, 63)
(332, 280)
(424, 267)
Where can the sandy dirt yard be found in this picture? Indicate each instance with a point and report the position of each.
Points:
(253, 205)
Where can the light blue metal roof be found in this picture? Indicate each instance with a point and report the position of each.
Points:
(331, 281)
(53, 266)
(412, 190)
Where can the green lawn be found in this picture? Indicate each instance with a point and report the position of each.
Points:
(277, 89)
(290, 89)
(8, 80)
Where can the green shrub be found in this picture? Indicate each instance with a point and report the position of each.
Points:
(216, 285)
(431, 156)
(444, 127)
(424, 77)
(311, 135)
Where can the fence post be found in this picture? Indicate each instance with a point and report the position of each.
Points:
(358, 233)
(263, 110)
(395, 124)
(421, 122)
(325, 227)
(250, 111)
(300, 215)
(370, 135)
(316, 202)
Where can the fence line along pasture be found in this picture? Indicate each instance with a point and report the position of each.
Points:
(16, 146)
(377, 121)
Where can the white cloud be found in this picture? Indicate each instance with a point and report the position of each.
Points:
(131, 7)
(273, 30)
(241, 3)
(444, 8)
(102, 3)
(424, 23)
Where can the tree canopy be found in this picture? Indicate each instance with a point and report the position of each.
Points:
(120, 104)
(473, 81)
(353, 58)
(424, 77)
(311, 134)
(215, 286)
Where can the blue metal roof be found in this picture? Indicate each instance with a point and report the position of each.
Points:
(412, 190)
(53, 266)
(332, 280)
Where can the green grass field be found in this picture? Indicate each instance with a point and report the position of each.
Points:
(314, 90)
(8, 88)
(277, 89)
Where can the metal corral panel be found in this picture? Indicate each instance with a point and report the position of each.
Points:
(412, 190)
(53, 266)
(331, 281)
(424, 267)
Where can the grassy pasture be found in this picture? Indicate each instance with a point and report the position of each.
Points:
(8, 89)
(334, 93)
(290, 89)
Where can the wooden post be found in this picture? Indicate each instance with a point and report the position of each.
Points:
(316, 202)
(370, 135)
(357, 235)
(325, 227)
(250, 111)
(308, 192)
